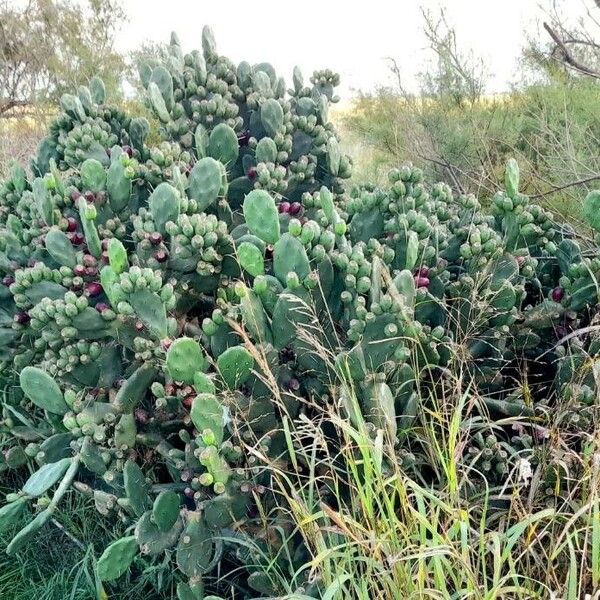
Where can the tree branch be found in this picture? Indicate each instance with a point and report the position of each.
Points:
(567, 56)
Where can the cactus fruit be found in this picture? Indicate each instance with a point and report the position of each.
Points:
(172, 304)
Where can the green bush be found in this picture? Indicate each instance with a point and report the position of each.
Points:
(171, 312)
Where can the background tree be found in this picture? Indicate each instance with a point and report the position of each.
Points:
(50, 46)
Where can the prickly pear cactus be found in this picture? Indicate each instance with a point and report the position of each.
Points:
(163, 308)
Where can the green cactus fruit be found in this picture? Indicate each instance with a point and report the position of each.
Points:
(151, 539)
(136, 487)
(266, 150)
(223, 144)
(251, 259)
(43, 479)
(261, 216)
(60, 248)
(289, 256)
(165, 510)
(134, 389)
(10, 513)
(117, 558)
(271, 117)
(196, 551)
(208, 413)
(205, 182)
(93, 175)
(591, 209)
(164, 205)
(97, 90)
(117, 256)
(42, 390)
(511, 178)
(184, 359)
(235, 366)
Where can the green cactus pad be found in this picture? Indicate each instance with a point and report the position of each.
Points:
(251, 259)
(184, 359)
(165, 510)
(511, 178)
(28, 532)
(223, 144)
(289, 256)
(591, 209)
(207, 413)
(42, 390)
(117, 256)
(93, 175)
(164, 205)
(196, 551)
(261, 216)
(205, 182)
(136, 487)
(117, 558)
(60, 248)
(235, 366)
(41, 481)
(271, 116)
(151, 539)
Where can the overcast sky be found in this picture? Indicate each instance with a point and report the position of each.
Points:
(352, 37)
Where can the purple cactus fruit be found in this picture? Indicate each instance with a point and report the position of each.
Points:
(79, 270)
(22, 318)
(155, 238)
(422, 272)
(161, 256)
(101, 307)
(93, 289)
(90, 196)
(8, 280)
(558, 294)
(284, 207)
(76, 238)
(295, 208)
(166, 343)
(104, 244)
(252, 173)
(91, 271)
(141, 416)
(71, 224)
(89, 260)
(128, 150)
(244, 138)
(293, 385)
(75, 195)
(422, 282)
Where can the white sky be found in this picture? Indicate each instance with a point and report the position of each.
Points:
(352, 37)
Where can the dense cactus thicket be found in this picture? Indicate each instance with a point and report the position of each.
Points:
(168, 311)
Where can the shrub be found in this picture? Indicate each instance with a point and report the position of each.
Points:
(169, 312)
